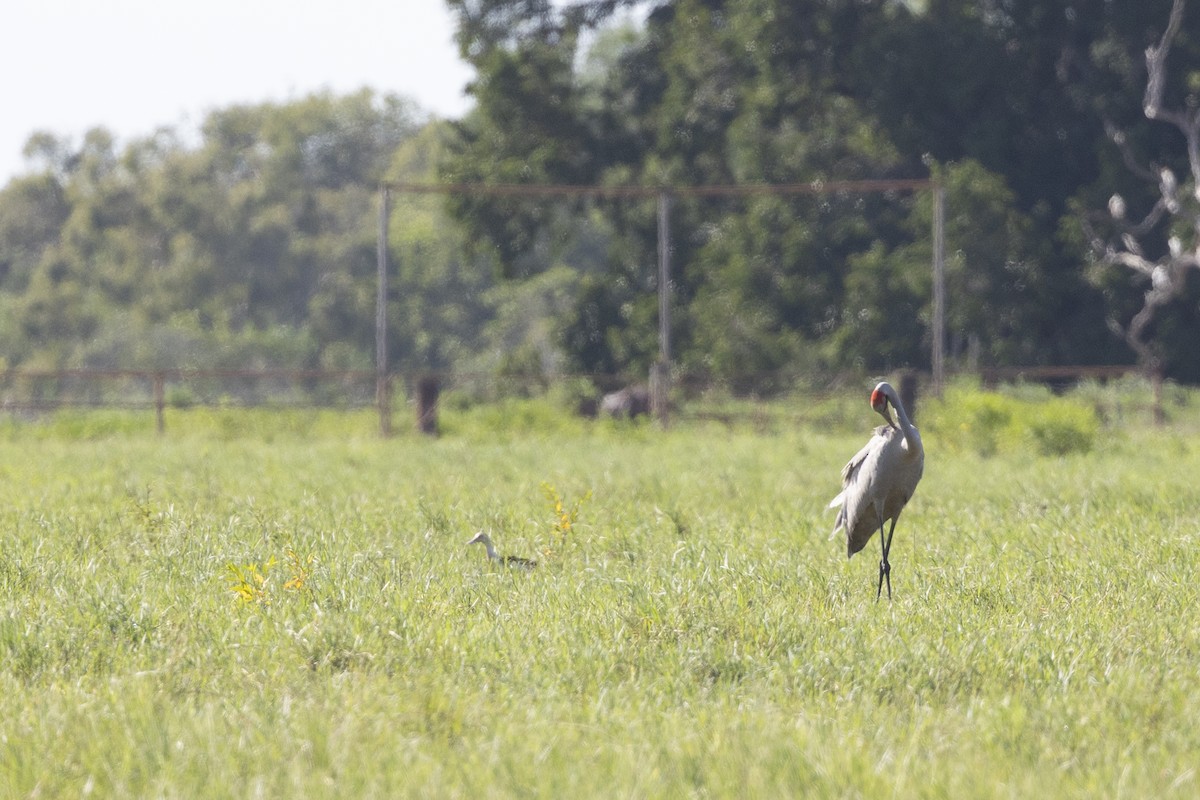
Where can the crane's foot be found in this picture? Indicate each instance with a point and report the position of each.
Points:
(885, 574)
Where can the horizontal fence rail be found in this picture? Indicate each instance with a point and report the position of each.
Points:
(626, 191)
(36, 391)
(42, 390)
(994, 375)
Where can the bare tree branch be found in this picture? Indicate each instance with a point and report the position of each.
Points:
(1166, 274)
(1156, 61)
(1156, 67)
(1118, 137)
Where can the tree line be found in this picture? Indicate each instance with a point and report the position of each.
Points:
(250, 244)
(251, 241)
(1030, 112)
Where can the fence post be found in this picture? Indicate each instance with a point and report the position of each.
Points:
(660, 373)
(383, 400)
(382, 378)
(160, 424)
(938, 356)
(660, 390)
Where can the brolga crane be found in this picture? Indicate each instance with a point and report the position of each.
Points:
(879, 481)
(511, 561)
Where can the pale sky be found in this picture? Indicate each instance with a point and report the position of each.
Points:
(132, 66)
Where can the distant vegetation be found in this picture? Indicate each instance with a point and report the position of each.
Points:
(1023, 418)
(252, 243)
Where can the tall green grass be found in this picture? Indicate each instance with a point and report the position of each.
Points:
(694, 633)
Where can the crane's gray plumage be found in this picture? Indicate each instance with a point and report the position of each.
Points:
(512, 561)
(879, 481)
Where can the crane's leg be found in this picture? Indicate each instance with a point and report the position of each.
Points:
(885, 567)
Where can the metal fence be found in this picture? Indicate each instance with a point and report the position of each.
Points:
(40, 391)
(693, 397)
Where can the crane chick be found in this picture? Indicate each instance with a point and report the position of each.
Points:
(511, 561)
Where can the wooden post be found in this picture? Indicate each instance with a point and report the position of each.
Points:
(382, 381)
(160, 403)
(660, 373)
(427, 405)
(939, 288)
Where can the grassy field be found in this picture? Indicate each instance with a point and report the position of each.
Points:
(231, 611)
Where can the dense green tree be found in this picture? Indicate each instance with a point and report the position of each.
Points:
(267, 225)
(709, 93)
(253, 243)
(1018, 99)
(437, 305)
(1145, 240)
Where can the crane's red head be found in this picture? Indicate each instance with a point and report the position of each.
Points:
(879, 402)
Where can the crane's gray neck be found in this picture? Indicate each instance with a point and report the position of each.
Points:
(906, 427)
(491, 551)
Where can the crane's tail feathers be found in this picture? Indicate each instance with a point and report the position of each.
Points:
(839, 524)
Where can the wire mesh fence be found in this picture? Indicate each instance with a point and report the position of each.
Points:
(34, 392)
(754, 398)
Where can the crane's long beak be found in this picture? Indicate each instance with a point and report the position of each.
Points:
(887, 415)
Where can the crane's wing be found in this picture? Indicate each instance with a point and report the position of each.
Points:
(854, 465)
(853, 501)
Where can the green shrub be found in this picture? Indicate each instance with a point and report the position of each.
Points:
(510, 417)
(180, 397)
(988, 423)
(985, 419)
(1062, 426)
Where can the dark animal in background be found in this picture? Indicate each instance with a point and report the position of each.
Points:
(588, 407)
(626, 403)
